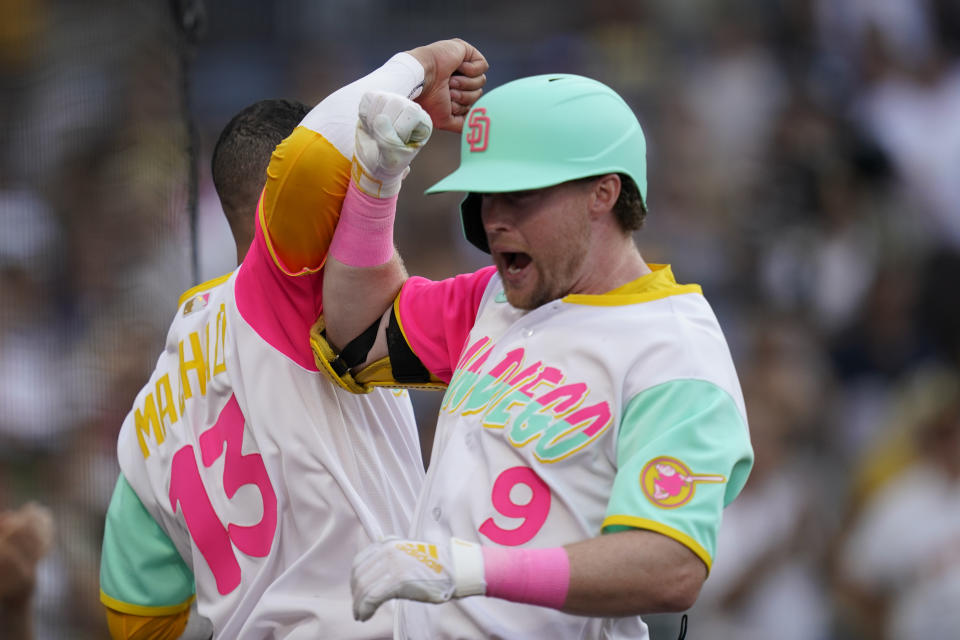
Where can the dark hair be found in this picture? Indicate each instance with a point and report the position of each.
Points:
(629, 209)
(243, 150)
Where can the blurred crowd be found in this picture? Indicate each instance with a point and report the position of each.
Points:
(804, 160)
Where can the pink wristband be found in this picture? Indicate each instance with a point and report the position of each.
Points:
(364, 234)
(531, 576)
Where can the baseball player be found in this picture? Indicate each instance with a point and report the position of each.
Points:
(593, 426)
(248, 480)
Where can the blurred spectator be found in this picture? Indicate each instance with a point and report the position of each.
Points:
(898, 568)
(877, 351)
(821, 266)
(29, 325)
(911, 111)
(735, 93)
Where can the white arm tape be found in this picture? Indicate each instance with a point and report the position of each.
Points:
(336, 115)
(468, 571)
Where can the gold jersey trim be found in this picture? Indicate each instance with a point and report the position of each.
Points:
(652, 525)
(145, 610)
(657, 284)
(200, 288)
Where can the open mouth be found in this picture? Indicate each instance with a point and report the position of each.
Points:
(515, 262)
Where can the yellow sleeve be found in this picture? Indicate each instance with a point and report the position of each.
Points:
(126, 626)
(307, 180)
(309, 172)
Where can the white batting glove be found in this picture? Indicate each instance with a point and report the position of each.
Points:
(413, 570)
(390, 131)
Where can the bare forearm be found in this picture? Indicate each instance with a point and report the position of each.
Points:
(363, 272)
(632, 572)
(357, 296)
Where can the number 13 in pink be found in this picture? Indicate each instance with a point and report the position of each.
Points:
(214, 541)
(534, 512)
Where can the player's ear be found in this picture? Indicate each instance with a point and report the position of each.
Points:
(604, 193)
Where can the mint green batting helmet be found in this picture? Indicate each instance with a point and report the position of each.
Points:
(540, 131)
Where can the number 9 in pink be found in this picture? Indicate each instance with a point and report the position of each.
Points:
(534, 512)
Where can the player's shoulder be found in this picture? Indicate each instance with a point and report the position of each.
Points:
(197, 298)
(464, 286)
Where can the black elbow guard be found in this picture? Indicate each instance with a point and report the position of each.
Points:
(400, 369)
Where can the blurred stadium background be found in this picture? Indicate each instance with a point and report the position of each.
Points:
(804, 169)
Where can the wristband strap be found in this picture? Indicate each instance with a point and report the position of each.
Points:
(530, 576)
(364, 234)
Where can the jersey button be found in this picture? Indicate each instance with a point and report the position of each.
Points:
(527, 333)
(437, 512)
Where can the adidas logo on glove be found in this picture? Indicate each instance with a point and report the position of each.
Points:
(425, 553)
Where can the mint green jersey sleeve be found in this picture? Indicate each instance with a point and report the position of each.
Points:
(683, 454)
(141, 571)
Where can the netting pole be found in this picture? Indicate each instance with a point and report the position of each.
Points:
(189, 18)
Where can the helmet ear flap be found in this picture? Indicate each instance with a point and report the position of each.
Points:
(471, 222)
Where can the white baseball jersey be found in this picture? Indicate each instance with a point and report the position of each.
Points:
(587, 415)
(248, 477)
